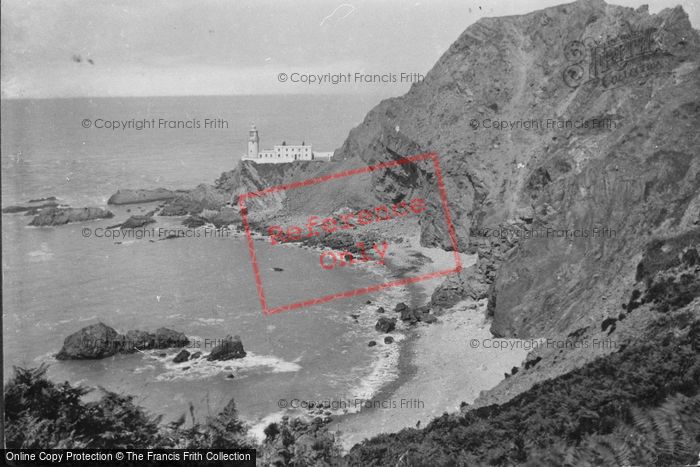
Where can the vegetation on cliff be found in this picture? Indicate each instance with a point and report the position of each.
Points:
(41, 414)
(636, 406)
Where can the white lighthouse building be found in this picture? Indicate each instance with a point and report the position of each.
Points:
(281, 153)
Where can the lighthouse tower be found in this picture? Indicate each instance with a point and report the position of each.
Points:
(253, 143)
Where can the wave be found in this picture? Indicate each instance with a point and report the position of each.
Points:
(202, 368)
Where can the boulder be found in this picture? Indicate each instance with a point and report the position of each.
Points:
(92, 342)
(410, 315)
(380, 309)
(182, 356)
(195, 355)
(388, 340)
(371, 344)
(231, 347)
(61, 216)
(400, 307)
(385, 324)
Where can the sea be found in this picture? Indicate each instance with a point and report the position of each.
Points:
(57, 280)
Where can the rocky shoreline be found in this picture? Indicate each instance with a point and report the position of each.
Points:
(205, 206)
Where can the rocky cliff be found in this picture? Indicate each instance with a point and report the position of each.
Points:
(633, 171)
(568, 142)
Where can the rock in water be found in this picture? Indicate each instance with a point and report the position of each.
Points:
(29, 209)
(61, 216)
(100, 341)
(400, 307)
(39, 200)
(141, 196)
(92, 342)
(231, 347)
(182, 356)
(134, 222)
(385, 324)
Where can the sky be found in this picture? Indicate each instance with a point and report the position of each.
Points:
(96, 48)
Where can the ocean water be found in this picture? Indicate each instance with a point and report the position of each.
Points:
(56, 281)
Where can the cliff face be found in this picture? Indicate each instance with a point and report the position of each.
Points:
(634, 170)
(601, 111)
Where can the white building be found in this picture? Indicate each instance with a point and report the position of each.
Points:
(281, 153)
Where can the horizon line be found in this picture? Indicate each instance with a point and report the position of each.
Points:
(377, 94)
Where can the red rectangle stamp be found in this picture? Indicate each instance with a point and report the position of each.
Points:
(360, 252)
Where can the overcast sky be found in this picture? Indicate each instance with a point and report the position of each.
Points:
(214, 47)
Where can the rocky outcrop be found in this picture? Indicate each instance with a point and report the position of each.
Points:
(92, 342)
(195, 201)
(229, 348)
(468, 283)
(101, 341)
(61, 216)
(142, 196)
(609, 158)
(560, 165)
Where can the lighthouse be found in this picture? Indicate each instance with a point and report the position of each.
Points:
(253, 143)
(280, 154)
